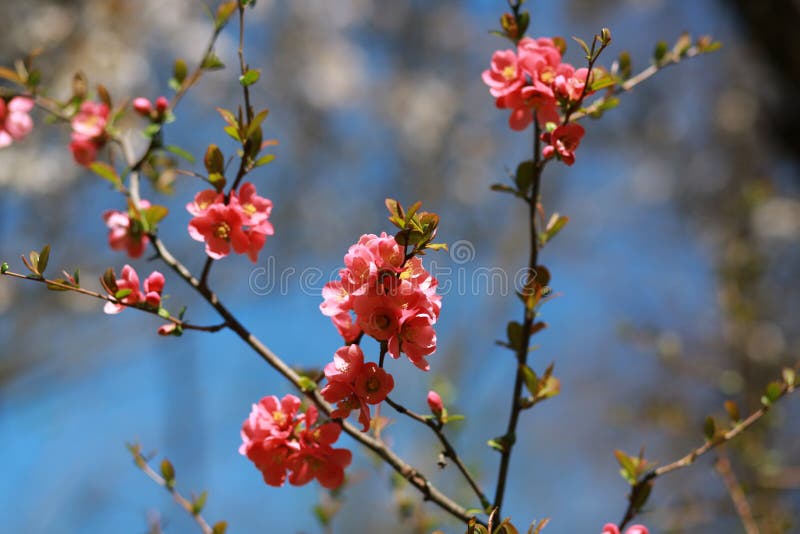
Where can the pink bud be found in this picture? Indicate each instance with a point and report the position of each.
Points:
(637, 529)
(166, 329)
(435, 403)
(162, 105)
(153, 299)
(142, 106)
(154, 282)
(610, 528)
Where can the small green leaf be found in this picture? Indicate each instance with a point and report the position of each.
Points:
(220, 528)
(178, 151)
(628, 464)
(256, 123)
(179, 70)
(249, 78)
(233, 131)
(151, 130)
(122, 293)
(530, 379)
(306, 384)
(789, 376)
(556, 223)
(774, 391)
(625, 65)
(524, 176)
(168, 472)
(44, 257)
(451, 418)
(263, 160)
(583, 44)
(224, 12)
(163, 312)
(213, 160)
(153, 215)
(4, 268)
(660, 52)
(199, 503)
(105, 171)
(514, 333)
(212, 62)
(709, 428)
(501, 443)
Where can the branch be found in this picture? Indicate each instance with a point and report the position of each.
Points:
(55, 284)
(449, 452)
(182, 501)
(723, 467)
(641, 489)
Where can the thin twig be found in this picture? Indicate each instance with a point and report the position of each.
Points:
(723, 467)
(182, 501)
(694, 454)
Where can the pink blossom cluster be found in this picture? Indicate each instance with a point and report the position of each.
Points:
(15, 122)
(89, 132)
(242, 222)
(151, 296)
(125, 232)
(145, 108)
(534, 83)
(611, 528)
(393, 298)
(277, 438)
(353, 384)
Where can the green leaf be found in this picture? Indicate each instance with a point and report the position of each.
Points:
(199, 503)
(212, 62)
(536, 528)
(524, 176)
(629, 466)
(531, 380)
(583, 44)
(514, 333)
(178, 151)
(213, 160)
(603, 82)
(774, 391)
(44, 257)
(604, 105)
(4, 268)
(106, 171)
(219, 528)
(451, 418)
(501, 443)
(625, 65)
(224, 12)
(179, 70)
(306, 384)
(164, 313)
(556, 223)
(151, 130)
(153, 215)
(249, 78)
(709, 428)
(660, 52)
(263, 160)
(168, 472)
(122, 293)
(256, 123)
(233, 131)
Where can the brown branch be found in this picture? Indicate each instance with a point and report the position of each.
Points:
(449, 451)
(643, 484)
(147, 309)
(745, 513)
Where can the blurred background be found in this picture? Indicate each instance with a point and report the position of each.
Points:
(676, 275)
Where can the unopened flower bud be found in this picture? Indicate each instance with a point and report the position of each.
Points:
(142, 106)
(162, 104)
(435, 403)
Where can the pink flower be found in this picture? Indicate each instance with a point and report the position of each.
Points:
(611, 528)
(242, 223)
(373, 384)
(129, 281)
(377, 315)
(91, 120)
(570, 83)
(15, 122)
(435, 403)
(346, 326)
(532, 100)
(346, 365)
(539, 58)
(504, 75)
(220, 227)
(277, 439)
(89, 132)
(562, 142)
(125, 232)
(416, 337)
(84, 151)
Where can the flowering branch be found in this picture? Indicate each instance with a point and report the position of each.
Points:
(642, 487)
(64, 286)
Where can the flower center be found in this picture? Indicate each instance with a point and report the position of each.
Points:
(250, 208)
(510, 72)
(373, 384)
(222, 230)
